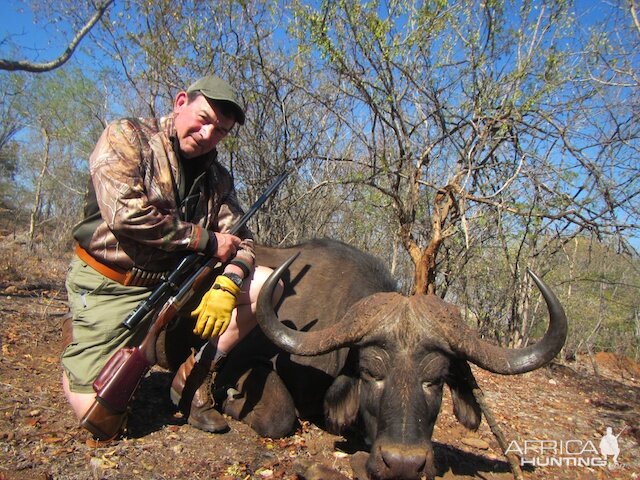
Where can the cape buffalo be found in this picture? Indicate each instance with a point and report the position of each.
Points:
(345, 344)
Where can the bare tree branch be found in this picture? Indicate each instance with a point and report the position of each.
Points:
(28, 66)
(634, 15)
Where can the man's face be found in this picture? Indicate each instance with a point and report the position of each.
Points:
(199, 125)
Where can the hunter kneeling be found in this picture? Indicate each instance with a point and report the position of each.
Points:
(157, 194)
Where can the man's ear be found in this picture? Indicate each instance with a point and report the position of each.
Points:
(180, 100)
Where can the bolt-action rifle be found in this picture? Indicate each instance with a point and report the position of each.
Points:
(119, 378)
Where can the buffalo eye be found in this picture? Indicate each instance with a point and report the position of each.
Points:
(372, 369)
(373, 365)
(434, 367)
(371, 374)
(429, 386)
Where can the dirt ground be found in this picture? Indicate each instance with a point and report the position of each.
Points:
(567, 407)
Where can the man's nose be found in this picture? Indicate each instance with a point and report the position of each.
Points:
(207, 132)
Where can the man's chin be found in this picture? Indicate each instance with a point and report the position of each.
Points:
(193, 150)
(190, 151)
(188, 154)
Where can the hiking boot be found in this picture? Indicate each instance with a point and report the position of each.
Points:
(191, 393)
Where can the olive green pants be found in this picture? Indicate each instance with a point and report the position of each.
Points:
(98, 306)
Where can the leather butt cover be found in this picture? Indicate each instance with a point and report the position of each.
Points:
(102, 422)
(118, 380)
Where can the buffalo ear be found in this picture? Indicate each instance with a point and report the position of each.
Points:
(461, 382)
(341, 403)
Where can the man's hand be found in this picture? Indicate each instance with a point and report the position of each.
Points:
(227, 246)
(214, 311)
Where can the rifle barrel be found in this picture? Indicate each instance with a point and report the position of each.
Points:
(258, 203)
(172, 284)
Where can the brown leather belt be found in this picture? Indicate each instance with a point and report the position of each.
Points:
(136, 277)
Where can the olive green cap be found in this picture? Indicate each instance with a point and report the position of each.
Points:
(215, 88)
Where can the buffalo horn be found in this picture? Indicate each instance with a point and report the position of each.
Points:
(313, 342)
(514, 361)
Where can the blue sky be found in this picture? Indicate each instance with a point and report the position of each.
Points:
(17, 24)
(38, 42)
(43, 41)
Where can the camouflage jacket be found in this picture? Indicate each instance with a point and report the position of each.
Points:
(138, 210)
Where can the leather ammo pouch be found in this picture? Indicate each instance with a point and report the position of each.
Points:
(114, 388)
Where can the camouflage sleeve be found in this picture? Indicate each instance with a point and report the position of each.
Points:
(117, 171)
(230, 213)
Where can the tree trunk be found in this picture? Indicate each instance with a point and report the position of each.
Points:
(425, 279)
(38, 194)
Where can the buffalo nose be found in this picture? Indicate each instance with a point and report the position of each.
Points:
(404, 461)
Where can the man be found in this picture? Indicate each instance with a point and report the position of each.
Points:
(157, 193)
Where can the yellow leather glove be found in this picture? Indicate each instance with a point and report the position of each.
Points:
(214, 311)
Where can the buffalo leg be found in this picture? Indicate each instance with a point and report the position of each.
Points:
(261, 400)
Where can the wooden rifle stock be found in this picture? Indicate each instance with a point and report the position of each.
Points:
(119, 378)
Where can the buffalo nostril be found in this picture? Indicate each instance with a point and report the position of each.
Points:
(404, 462)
